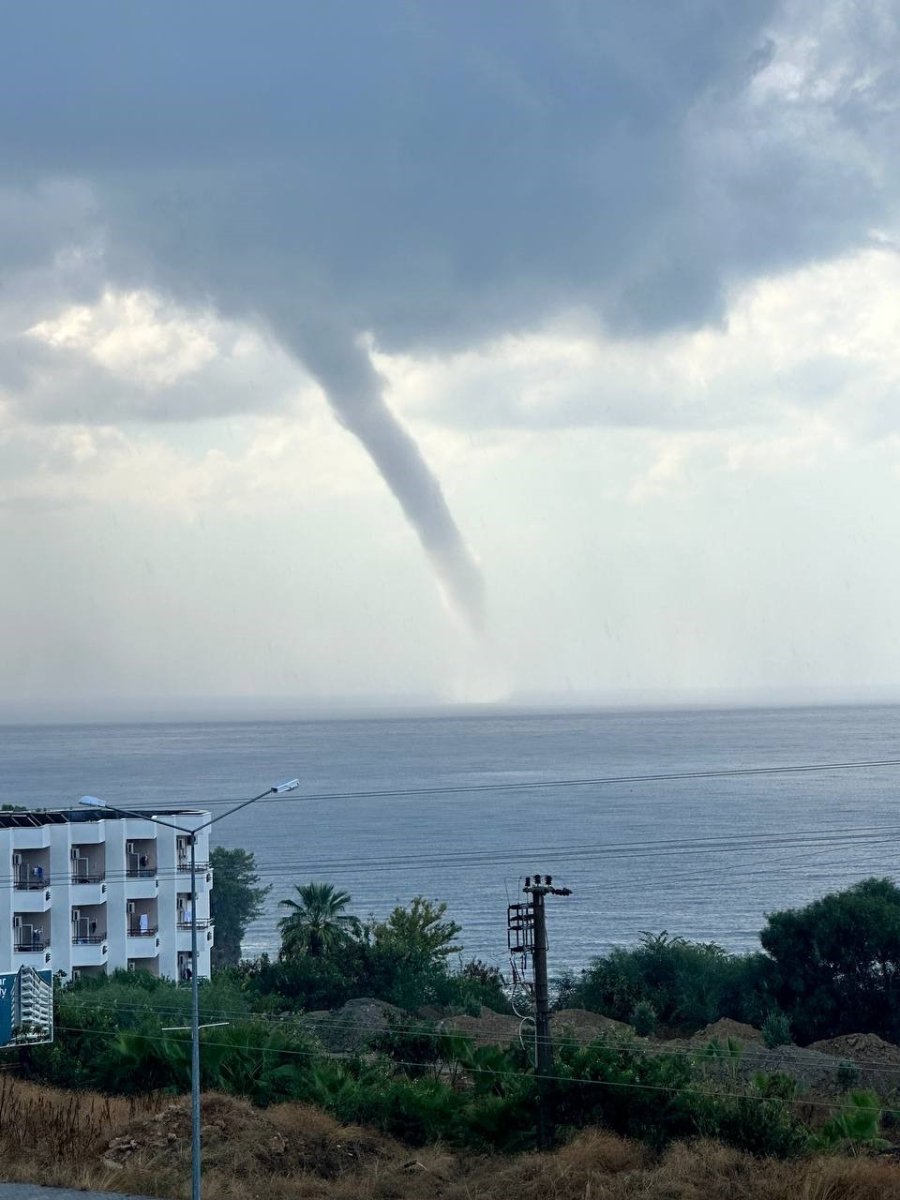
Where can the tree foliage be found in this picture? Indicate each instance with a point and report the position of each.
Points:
(418, 932)
(837, 962)
(235, 901)
(316, 923)
(689, 984)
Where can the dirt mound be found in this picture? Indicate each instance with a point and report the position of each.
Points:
(866, 1048)
(243, 1140)
(725, 1028)
(350, 1029)
(808, 1066)
(489, 1028)
(492, 1028)
(586, 1026)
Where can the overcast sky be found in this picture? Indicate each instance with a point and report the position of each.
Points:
(452, 351)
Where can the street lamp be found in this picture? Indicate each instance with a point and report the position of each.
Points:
(277, 789)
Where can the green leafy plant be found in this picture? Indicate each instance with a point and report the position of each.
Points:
(776, 1030)
(855, 1128)
(316, 922)
(643, 1019)
(847, 1076)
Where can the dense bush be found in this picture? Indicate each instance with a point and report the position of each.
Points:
(776, 1030)
(837, 962)
(689, 984)
(829, 968)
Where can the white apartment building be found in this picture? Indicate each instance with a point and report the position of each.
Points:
(87, 892)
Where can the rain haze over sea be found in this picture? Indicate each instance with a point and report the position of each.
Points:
(703, 857)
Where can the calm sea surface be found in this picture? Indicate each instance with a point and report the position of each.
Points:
(705, 858)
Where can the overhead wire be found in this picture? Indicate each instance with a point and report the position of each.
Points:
(512, 785)
(299, 1022)
(502, 1074)
(834, 838)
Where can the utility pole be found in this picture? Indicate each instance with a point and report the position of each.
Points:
(527, 936)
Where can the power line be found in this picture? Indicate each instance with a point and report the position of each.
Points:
(833, 838)
(500, 1074)
(299, 1023)
(596, 781)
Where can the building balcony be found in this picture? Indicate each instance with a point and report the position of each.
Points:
(86, 892)
(34, 946)
(204, 936)
(147, 931)
(202, 923)
(91, 951)
(142, 888)
(89, 833)
(32, 901)
(140, 945)
(32, 839)
(204, 875)
(141, 873)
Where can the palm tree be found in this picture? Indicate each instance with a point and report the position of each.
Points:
(317, 923)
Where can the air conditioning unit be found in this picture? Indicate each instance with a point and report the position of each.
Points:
(17, 860)
(130, 907)
(76, 915)
(129, 848)
(73, 853)
(17, 922)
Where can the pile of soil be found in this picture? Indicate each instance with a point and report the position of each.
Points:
(585, 1026)
(866, 1048)
(350, 1029)
(487, 1029)
(723, 1029)
(243, 1140)
(877, 1061)
(813, 1069)
(492, 1028)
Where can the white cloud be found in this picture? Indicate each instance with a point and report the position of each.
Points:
(131, 356)
(821, 344)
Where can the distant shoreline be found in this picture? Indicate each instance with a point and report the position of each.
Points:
(248, 711)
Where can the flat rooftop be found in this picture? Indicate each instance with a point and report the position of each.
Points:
(34, 818)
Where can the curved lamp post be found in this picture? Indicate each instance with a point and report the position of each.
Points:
(277, 789)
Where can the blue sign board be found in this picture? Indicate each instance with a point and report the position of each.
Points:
(26, 1007)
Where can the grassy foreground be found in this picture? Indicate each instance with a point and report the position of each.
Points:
(296, 1152)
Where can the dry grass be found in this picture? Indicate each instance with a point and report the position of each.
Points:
(293, 1152)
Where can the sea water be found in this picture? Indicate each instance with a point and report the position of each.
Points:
(705, 858)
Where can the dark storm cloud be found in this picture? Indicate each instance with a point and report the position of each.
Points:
(430, 172)
(437, 173)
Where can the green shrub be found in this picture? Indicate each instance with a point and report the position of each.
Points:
(847, 1076)
(776, 1030)
(689, 984)
(643, 1019)
(857, 1126)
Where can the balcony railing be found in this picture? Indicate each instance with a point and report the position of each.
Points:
(31, 885)
(136, 931)
(88, 939)
(202, 923)
(82, 878)
(186, 865)
(140, 873)
(34, 944)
